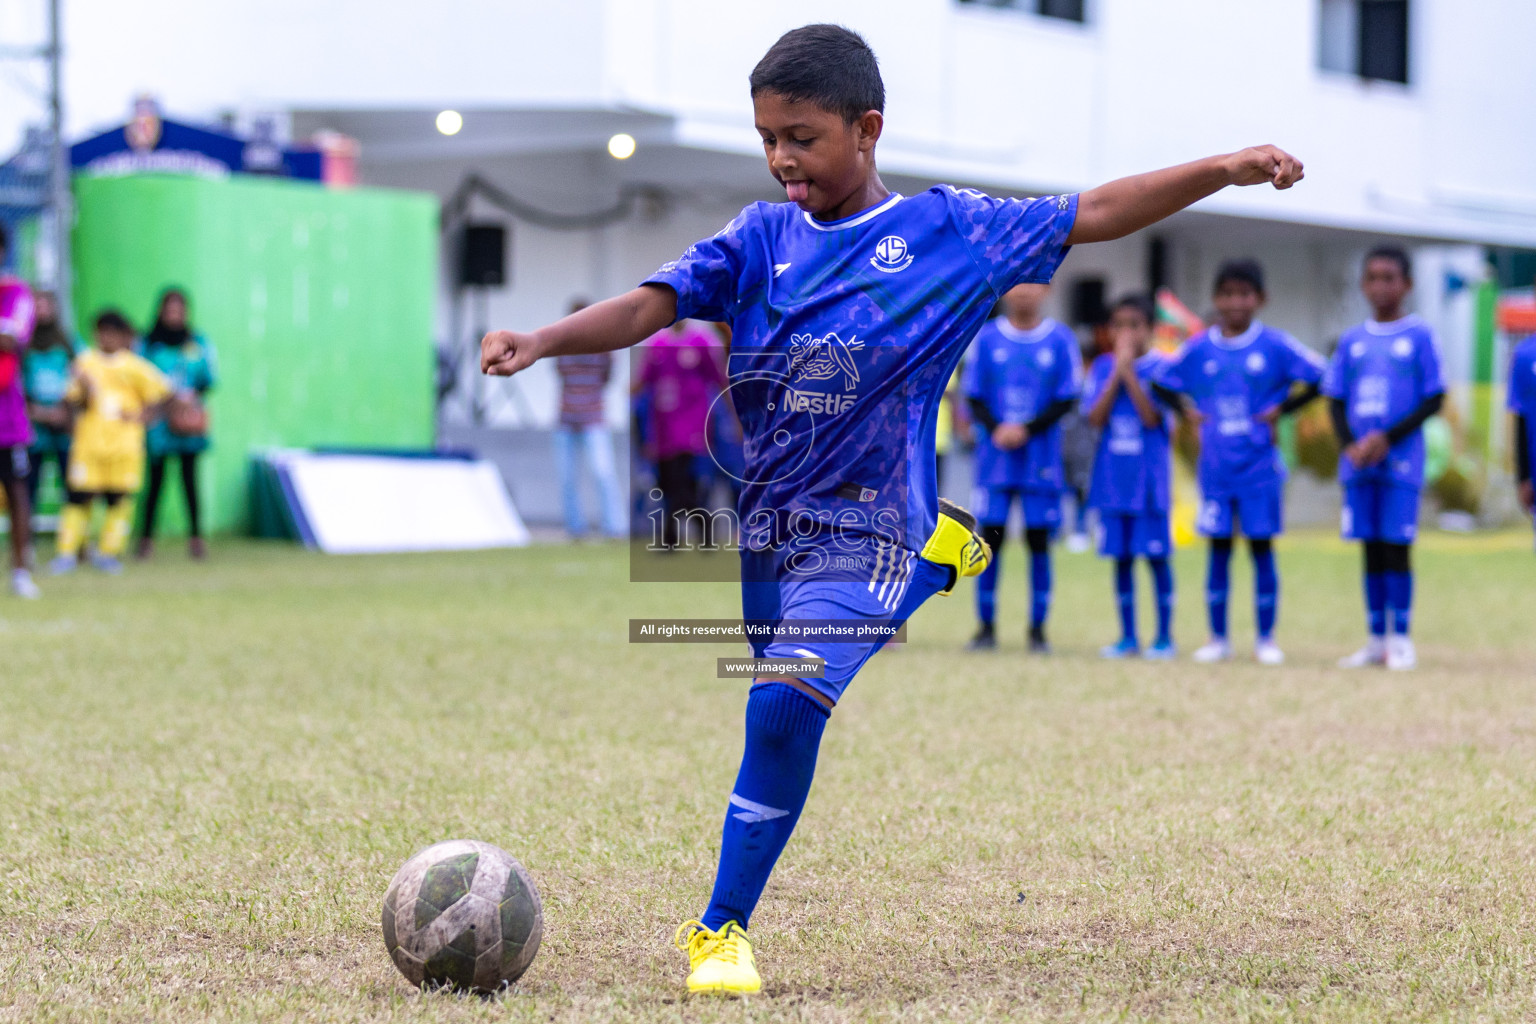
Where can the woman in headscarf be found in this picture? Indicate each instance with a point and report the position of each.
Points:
(187, 359)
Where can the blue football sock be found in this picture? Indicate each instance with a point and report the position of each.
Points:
(1125, 594)
(1039, 588)
(784, 729)
(1399, 588)
(1162, 586)
(1376, 603)
(1266, 591)
(986, 587)
(1217, 583)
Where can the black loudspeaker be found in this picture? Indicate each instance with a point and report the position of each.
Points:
(483, 256)
(1087, 302)
(1157, 265)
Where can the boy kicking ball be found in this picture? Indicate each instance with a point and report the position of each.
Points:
(1382, 383)
(850, 307)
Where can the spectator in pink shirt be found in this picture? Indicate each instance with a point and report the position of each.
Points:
(16, 321)
(584, 429)
(683, 371)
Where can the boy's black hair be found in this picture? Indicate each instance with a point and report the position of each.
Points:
(1140, 303)
(1245, 271)
(112, 320)
(828, 65)
(1396, 253)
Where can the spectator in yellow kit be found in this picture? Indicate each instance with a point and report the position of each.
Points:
(114, 393)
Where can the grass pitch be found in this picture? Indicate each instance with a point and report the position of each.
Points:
(208, 775)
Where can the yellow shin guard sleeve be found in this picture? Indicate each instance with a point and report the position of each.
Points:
(114, 529)
(72, 523)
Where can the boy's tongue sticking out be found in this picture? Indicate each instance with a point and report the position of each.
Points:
(798, 191)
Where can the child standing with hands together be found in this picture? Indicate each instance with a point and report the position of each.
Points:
(1130, 485)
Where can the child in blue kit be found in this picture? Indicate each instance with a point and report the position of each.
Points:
(850, 306)
(1023, 376)
(1382, 383)
(1131, 470)
(1240, 375)
(1522, 404)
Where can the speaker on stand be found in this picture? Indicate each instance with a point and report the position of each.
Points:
(482, 265)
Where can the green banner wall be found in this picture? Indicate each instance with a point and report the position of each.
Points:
(319, 304)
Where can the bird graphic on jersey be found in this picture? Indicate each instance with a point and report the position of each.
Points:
(821, 358)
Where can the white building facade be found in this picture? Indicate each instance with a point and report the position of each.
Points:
(1012, 96)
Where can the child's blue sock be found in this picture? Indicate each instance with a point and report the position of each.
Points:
(1376, 602)
(1039, 577)
(1217, 583)
(986, 587)
(1162, 585)
(784, 729)
(1125, 594)
(1399, 594)
(1266, 588)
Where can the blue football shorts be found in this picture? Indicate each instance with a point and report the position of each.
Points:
(884, 588)
(1381, 510)
(1258, 511)
(1134, 534)
(1042, 509)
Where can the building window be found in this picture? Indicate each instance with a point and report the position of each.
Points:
(1066, 10)
(1368, 38)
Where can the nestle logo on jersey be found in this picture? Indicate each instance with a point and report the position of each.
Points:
(817, 359)
(805, 401)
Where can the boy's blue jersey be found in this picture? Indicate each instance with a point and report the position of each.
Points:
(1018, 374)
(1232, 381)
(1131, 467)
(844, 335)
(1522, 387)
(1383, 372)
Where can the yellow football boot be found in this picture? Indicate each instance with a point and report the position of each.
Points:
(721, 961)
(956, 543)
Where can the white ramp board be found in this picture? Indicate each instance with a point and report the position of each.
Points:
(358, 504)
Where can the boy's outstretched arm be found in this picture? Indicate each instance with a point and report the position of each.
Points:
(615, 323)
(1130, 204)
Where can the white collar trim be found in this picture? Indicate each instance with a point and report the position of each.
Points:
(1035, 333)
(856, 219)
(1397, 326)
(1241, 340)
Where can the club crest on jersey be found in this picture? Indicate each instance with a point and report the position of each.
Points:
(1357, 349)
(1256, 363)
(891, 255)
(1045, 357)
(1402, 348)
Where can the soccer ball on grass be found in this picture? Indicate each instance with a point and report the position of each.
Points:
(462, 915)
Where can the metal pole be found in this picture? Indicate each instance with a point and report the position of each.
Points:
(60, 204)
